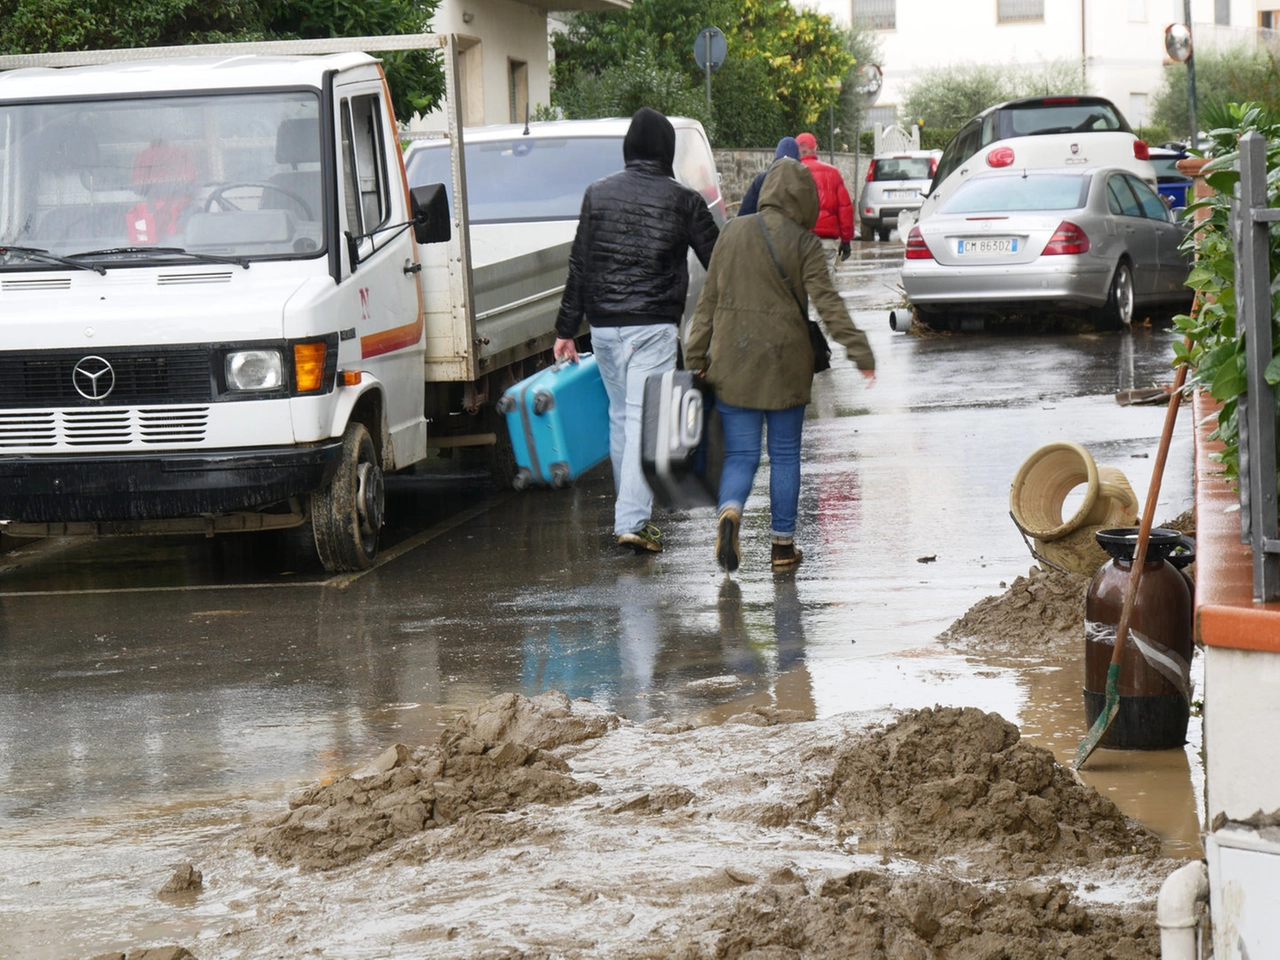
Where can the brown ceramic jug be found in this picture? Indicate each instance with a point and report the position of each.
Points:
(1155, 666)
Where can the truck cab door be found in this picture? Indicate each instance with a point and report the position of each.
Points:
(379, 277)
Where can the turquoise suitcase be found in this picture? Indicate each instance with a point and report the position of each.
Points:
(559, 423)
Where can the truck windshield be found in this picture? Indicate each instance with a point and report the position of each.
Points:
(233, 175)
(526, 178)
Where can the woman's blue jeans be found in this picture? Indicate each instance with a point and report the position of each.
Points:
(742, 429)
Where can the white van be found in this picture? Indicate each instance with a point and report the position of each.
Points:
(525, 182)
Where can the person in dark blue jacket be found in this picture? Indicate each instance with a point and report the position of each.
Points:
(787, 147)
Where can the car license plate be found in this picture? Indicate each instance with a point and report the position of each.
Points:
(994, 245)
(902, 194)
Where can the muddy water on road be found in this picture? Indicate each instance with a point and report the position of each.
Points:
(157, 696)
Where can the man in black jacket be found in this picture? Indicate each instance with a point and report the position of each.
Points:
(628, 276)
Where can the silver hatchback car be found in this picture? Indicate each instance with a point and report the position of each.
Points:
(895, 182)
(1098, 239)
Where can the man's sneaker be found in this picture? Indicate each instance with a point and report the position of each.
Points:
(785, 556)
(727, 554)
(648, 539)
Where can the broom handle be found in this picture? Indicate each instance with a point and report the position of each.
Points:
(1148, 512)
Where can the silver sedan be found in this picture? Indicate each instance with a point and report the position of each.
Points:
(1036, 241)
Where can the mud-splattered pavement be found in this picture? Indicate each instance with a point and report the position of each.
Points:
(551, 828)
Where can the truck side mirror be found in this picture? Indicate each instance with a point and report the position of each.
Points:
(430, 208)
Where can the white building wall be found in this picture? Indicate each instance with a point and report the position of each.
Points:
(502, 30)
(1120, 42)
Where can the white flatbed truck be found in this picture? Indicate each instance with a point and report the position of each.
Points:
(223, 308)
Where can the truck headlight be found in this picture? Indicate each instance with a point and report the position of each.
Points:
(255, 370)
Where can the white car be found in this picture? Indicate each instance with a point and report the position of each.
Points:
(1038, 132)
(896, 183)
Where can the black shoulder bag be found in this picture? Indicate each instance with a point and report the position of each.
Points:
(821, 349)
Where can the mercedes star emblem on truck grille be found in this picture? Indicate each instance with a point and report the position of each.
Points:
(93, 378)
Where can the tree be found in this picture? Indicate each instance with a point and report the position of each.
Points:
(1222, 77)
(949, 96)
(416, 78)
(777, 79)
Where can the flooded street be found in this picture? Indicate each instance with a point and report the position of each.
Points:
(158, 696)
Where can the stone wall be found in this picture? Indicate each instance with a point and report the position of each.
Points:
(739, 167)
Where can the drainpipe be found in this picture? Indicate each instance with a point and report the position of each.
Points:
(1179, 909)
(1084, 58)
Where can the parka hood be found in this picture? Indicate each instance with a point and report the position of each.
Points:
(650, 137)
(789, 189)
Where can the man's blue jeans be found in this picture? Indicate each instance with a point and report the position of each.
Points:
(626, 357)
(742, 427)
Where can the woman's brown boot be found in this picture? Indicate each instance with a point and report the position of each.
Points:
(727, 554)
(785, 555)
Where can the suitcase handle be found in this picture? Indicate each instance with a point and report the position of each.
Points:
(689, 427)
(562, 360)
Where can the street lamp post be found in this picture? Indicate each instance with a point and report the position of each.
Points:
(1191, 80)
(1177, 43)
(835, 86)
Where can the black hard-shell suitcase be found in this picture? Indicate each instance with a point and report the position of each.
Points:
(681, 440)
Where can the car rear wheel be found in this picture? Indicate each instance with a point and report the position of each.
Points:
(1120, 301)
(865, 231)
(884, 234)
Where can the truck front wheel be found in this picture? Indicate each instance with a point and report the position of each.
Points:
(347, 516)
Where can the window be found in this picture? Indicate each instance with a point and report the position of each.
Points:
(876, 14)
(1152, 206)
(1138, 109)
(518, 90)
(363, 171)
(883, 115)
(1222, 12)
(471, 81)
(1019, 194)
(1120, 199)
(1019, 11)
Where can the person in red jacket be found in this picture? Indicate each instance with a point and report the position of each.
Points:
(835, 209)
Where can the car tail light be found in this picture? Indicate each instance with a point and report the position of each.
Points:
(1000, 157)
(1141, 151)
(871, 171)
(1048, 100)
(933, 166)
(917, 249)
(869, 211)
(1068, 238)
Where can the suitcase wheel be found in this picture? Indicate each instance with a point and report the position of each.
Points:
(521, 479)
(506, 404)
(542, 402)
(559, 475)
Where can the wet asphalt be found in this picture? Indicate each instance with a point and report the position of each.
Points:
(138, 676)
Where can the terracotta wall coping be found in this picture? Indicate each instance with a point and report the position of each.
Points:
(1226, 614)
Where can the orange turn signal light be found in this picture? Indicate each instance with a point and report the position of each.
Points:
(308, 366)
(350, 378)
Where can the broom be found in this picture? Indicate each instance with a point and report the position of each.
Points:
(1111, 706)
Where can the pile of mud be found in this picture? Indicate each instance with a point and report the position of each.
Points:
(957, 840)
(1042, 612)
(876, 914)
(1039, 614)
(958, 783)
(494, 758)
(955, 788)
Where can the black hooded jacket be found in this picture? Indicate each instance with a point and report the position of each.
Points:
(629, 260)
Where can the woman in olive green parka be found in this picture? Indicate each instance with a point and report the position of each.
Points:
(749, 337)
